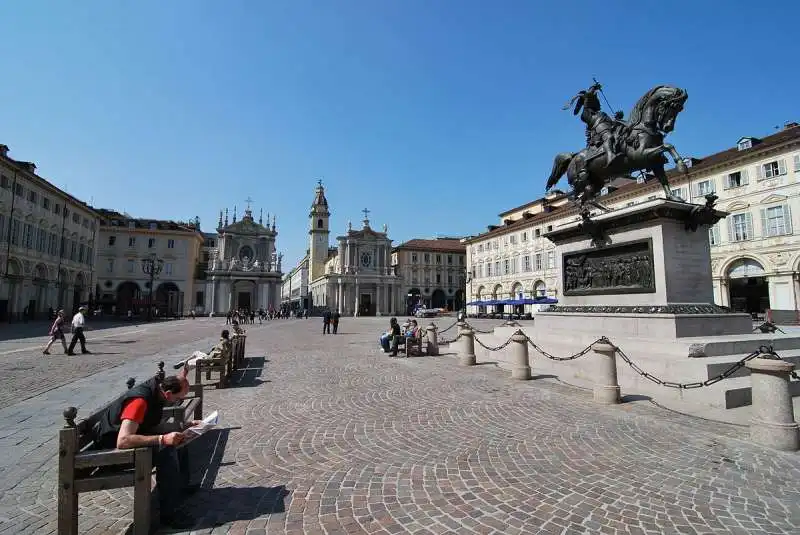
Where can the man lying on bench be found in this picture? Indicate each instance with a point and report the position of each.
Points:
(133, 421)
(221, 351)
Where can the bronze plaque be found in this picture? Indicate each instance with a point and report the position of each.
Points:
(626, 268)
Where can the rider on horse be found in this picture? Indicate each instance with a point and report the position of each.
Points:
(600, 128)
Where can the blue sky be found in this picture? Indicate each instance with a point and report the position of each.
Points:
(436, 115)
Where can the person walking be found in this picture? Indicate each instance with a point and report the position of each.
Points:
(78, 324)
(326, 322)
(57, 333)
(335, 320)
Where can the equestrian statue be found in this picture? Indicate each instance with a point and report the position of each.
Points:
(616, 148)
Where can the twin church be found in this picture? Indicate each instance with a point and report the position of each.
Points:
(356, 277)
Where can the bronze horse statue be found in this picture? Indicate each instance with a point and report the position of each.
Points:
(638, 144)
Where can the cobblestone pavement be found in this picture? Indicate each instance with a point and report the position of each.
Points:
(327, 435)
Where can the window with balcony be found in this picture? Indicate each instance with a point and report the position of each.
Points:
(132, 241)
(736, 180)
(772, 169)
(131, 265)
(112, 240)
(776, 220)
(740, 227)
(538, 261)
(110, 265)
(170, 244)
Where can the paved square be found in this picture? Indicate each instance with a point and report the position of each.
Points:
(323, 434)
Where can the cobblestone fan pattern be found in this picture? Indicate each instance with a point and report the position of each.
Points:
(327, 435)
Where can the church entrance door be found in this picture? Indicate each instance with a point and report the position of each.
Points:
(365, 307)
(243, 301)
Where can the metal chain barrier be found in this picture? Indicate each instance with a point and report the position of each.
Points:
(766, 350)
(446, 342)
(579, 354)
(498, 348)
(448, 328)
(483, 332)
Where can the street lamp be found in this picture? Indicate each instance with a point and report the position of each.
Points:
(152, 266)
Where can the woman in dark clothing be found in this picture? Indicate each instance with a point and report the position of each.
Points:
(390, 338)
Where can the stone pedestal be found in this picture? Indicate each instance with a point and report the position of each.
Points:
(521, 368)
(643, 270)
(466, 355)
(432, 342)
(606, 389)
(772, 423)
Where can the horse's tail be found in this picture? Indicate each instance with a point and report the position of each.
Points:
(559, 168)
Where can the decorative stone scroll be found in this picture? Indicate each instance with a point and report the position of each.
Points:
(625, 268)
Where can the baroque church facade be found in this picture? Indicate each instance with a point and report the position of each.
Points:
(244, 268)
(356, 277)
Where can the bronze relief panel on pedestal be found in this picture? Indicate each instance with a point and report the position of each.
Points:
(626, 268)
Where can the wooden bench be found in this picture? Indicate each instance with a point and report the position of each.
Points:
(80, 466)
(414, 344)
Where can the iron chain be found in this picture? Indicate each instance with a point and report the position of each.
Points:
(446, 342)
(498, 348)
(562, 359)
(448, 328)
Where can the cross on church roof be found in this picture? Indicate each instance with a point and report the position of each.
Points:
(319, 182)
(366, 213)
(248, 200)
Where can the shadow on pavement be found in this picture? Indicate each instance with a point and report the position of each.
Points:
(250, 374)
(40, 328)
(215, 507)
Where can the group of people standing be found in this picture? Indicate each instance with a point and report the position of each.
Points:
(330, 318)
(77, 326)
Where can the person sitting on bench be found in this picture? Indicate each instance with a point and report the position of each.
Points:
(133, 421)
(237, 330)
(221, 351)
(390, 338)
(412, 330)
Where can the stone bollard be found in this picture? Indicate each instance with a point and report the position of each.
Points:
(522, 368)
(772, 423)
(433, 342)
(606, 387)
(466, 355)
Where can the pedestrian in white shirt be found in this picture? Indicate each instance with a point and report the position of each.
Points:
(78, 324)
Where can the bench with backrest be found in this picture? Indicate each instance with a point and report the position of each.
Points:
(238, 342)
(84, 469)
(414, 344)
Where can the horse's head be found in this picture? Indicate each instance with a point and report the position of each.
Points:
(660, 106)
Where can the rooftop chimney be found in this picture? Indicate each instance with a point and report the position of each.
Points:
(3, 150)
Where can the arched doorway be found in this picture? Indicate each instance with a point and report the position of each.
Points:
(748, 286)
(413, 300)
(129, 296)
(77, 291)
(438, 298)
(539, 289)
(38, 303)
(10, 308)
(497, 293)
(458, 300)
(517, 293)
(167, 297)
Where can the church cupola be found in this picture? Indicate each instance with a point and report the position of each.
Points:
(319, 198)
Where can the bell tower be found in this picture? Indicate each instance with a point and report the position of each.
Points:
(318, 233)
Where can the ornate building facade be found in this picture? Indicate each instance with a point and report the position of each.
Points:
(47, 244)
(244, 268)
(755, 251)
(355, 277)
(433, 272)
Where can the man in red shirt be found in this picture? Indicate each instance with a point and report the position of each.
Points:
(134, 421)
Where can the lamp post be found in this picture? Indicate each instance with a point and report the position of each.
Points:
(152, 266)
(467, 281)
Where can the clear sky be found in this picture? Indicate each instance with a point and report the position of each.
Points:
(436, 115)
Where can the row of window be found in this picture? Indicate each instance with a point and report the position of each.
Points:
(737, 179)
(151, 242)
(131, 266)
(775, 221)
(33, 197)
(510, 239)
(438, 278)
(516, 264)
(32, 237)
(427, 259)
